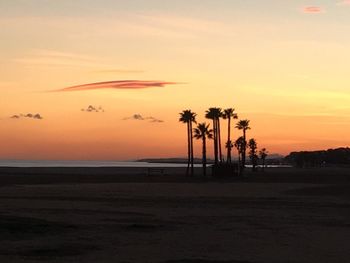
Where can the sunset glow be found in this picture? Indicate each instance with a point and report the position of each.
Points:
(284, 65)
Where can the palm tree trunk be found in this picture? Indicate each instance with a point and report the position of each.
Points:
(188, 149)
(191, 136)
(263, 166)
(215, 142)
(229, 141)
(204, 158)
(219, 140)
(239, 162)
(244, 149)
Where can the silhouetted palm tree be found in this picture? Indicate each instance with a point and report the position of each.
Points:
(239, 144)
(263, 153)
(210, 114)
(243, 125)
(253, 153)
(218, 116)
(229, 114)
(188, 117)
(214, 114)
(203, 132)
(229, 144)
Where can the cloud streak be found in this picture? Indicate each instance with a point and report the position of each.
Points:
(139, 117)
(91, 108)
(118, 71)
(54, 58)
(118, 84)
(312, 10)
(57, 58)
(29, 115)
(344, 2)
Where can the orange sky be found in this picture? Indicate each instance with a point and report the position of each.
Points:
(280, 65)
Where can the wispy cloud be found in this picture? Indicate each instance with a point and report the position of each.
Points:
(55, 58)
(344, 2)
(139, 117)
(135, 117)
(91, 108)
(173, 26)
(119, 84)
(313, 10)
(117, 71)
(152, 119)
(29, 115)
(143, 24)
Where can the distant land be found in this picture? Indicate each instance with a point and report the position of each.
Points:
(339, 156)
(197, 160)
(172, 160)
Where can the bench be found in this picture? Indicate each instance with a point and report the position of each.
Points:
(155, 171)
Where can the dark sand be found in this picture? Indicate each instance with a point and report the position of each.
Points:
(121, 215)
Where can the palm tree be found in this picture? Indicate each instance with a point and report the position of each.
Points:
(214, 114)
(218, 115)
(243, 125)
(239, 144)
(210, 114)
(203, 132)
(229, 114)
(188, 117)
(263, 153)
(229, 144)
(253, 154)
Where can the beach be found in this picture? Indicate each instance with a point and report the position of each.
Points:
(124, 215)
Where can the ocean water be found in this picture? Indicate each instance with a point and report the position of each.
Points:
(26, 163)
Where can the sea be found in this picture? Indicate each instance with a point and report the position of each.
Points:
(29, 163)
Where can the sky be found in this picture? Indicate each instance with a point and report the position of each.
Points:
(106, 80)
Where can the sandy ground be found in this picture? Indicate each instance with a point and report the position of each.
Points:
(106, 215)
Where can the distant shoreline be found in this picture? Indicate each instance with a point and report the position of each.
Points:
(173, 160)
(175, 163)
(88, 164)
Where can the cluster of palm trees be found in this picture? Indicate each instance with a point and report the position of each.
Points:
(203, 132)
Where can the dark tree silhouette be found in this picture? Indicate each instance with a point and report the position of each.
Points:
(214, 114)
(202, 132)
(188, 117)
(218, 116)
(229, 145)
(263, 153)
(210, 114)
(243, 125)
(253, 153)
(229, 114)
(339, 156)
(240, 144)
